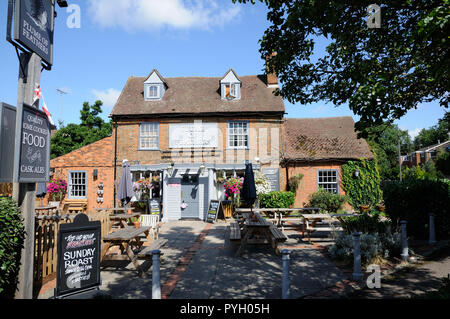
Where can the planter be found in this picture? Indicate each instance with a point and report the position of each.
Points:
(381, 208)
(137, 224)
(364, 208)
(129, 212)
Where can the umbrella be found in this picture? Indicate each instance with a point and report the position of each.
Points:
(41, 191)
(248, 192)
(125, 191)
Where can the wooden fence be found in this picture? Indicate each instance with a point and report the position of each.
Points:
(47, 223)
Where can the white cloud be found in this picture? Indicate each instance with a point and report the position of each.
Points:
(108, 97)
(414, 133)
(150, 14)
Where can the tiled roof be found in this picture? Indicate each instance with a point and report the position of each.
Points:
(323, 138)
(197, 95)
(99, 153)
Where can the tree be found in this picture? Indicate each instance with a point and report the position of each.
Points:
(383, 140)
(380, 72)
(435, 134)
(73, 136)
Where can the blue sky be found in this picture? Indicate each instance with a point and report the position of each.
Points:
(120, 38)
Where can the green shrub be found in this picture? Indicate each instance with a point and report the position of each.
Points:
(327, 201)
(413, 200)
(365, 223)
(277, 199)
(11, 242)
(364, 189)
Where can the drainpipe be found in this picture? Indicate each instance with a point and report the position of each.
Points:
(115, 160)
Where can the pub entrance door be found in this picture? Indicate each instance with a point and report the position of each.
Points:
(190, 197)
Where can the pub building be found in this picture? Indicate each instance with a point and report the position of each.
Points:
(188, 132)
(186, 135)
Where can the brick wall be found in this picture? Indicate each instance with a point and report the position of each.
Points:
(98, 155)
(309, 181)
(265, 143)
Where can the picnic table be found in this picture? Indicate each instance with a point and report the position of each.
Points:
(114, 209)
(279, 215)
(259, 231)
(127, 238)
(310, 222)
(124, 218)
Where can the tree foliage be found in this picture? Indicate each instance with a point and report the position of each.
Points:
(383, 140)
(435, 134)
(73, 136)
(380, 72)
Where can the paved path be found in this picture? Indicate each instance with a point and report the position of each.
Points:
(199, 263)
(412, 281)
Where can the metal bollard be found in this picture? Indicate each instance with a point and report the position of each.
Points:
(286, 289)
(404, 253)
(432, 239)
(156, 279)
(357, 272)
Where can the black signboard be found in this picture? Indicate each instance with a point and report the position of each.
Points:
(78, 267)
(34, 160)
(213, 210)
(33, 27)
(273, 176)
(7, 139)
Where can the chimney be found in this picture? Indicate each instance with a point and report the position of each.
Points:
(272, 80)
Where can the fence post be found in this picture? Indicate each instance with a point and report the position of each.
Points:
(285, 286)
(404, 253)
(156, 278)
(432, 239)
(357, 273)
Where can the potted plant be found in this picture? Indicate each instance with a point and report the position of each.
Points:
(381, 207)
(363, 208)
(232, 188)
(136, 221)
(56, 190)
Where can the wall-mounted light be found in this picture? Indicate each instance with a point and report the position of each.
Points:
(356, 173)
(202, 169)
(170, 168)
(95, 173)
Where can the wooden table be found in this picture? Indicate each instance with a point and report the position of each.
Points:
(310, 221)
(254, 229)
(115, 209)
(124, 219)
(125, 238)
(278, 214)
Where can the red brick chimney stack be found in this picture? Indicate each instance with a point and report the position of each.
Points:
(272, 79)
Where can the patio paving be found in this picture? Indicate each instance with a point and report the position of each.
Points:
(199, 263)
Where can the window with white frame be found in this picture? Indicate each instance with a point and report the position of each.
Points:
(237, 135)
(153, 91)
(77, 184)
(328, 180)
(149, 136)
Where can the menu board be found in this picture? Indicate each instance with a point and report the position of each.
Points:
(154, 207)
(213, 210)
(78, 256)
(273, 176)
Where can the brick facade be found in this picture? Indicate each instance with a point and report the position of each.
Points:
(265, 143)
(98, 155)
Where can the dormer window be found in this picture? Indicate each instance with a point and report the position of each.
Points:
(153, 91)
(230, 86)
(154, 87)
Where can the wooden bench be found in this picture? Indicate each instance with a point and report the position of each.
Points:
(77, 205)
(277, 234)
(148, 251)
(235, 232)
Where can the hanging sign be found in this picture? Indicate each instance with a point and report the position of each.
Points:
(33, 27)
(78, 266)
(213, 210)
(7, 138)
(34, 138)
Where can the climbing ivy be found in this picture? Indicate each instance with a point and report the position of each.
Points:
(364, 189)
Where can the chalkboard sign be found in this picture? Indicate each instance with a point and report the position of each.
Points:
(78, 267)
(273, 176)
(154, 207)
(213, 210)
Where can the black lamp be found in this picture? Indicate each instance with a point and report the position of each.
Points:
(95, 173)
(62, 3)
